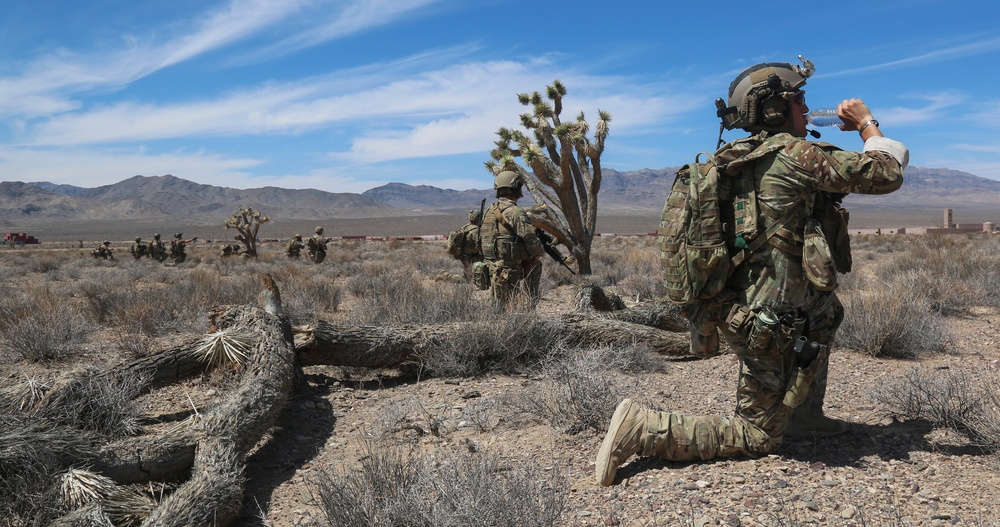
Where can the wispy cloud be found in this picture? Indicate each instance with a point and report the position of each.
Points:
(935, 103)
(53, 83)
(987, 45)
(455, 109)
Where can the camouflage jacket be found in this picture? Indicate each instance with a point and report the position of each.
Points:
(792, 172)
(507, 235)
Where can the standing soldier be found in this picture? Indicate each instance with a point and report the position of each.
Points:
(156, 249)
(317, 246)
(294, 249)
(177, 247)
(103, 250)
(509, 242)
(777, 309)
(463, 244)
(138, 248)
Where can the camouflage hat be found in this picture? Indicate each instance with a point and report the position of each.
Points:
(473, 216)
(319, 230)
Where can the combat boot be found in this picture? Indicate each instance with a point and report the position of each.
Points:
(624, 438)
(807, 420)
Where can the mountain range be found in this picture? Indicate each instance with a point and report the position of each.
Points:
(640, 191)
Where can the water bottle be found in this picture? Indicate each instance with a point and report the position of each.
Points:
(823, 117)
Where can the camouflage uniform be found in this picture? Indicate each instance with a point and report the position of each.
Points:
(178, 246)
(513, 249)
(317, 246)
(467, 238)
(795, 173)
(104, 251)
(138, 249)
(294, 248)
(156, 249)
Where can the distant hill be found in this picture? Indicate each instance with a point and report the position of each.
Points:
(169, 197)
(143, 197)
(646, 189)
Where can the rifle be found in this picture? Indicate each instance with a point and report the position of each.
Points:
(479, 227)
(547, 240)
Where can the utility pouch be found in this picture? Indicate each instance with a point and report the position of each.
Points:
(817, 258)
(762, 332)
(481, 275)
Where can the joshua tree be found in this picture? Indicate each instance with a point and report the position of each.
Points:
(247, 222)
(565, 168)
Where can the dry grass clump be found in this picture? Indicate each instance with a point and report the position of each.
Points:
(584, 386)
(385, 294)
(37, 323)
(498, 341)
(395, 487)
(889, 318)
(953, 399)
(630, 265)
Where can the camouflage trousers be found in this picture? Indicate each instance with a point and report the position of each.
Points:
(763, 403)
(510, 278)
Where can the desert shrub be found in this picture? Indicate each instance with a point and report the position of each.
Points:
(583, 386)
(889, 318)
(952, 399)
(955, 272)
(37, 324)
(388, 295)
(500, 341)
(395, 487)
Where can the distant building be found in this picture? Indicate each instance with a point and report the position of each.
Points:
(18, 238)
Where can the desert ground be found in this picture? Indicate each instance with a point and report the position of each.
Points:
(532, 428)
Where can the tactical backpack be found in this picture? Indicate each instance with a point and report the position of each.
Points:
(464, 241)
(711, 222)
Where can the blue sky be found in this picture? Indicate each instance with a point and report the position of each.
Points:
(347, 95)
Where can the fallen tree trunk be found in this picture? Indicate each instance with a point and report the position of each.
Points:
(209, 451)
(393, 346)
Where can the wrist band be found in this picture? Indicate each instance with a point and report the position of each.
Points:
(862, 129)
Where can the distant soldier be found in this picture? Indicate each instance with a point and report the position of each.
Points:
(138, 248)
(294, 249)
(177, 247)
(230, 249)
(317, 246)
(156, 250)
(463, 244)
(104, 251)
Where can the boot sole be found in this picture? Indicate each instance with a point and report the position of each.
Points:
(604, 469)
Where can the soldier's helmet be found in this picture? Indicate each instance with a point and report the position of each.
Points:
(106, 242)
(156, 236)
(179, 235)
(509, 180)
(138, 239)
(474, 217)
(319, 230)
(298, 237)
(759, 96)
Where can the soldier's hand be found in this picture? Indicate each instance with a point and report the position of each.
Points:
(569, 260)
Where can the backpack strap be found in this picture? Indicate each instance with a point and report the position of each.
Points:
(759, 241)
